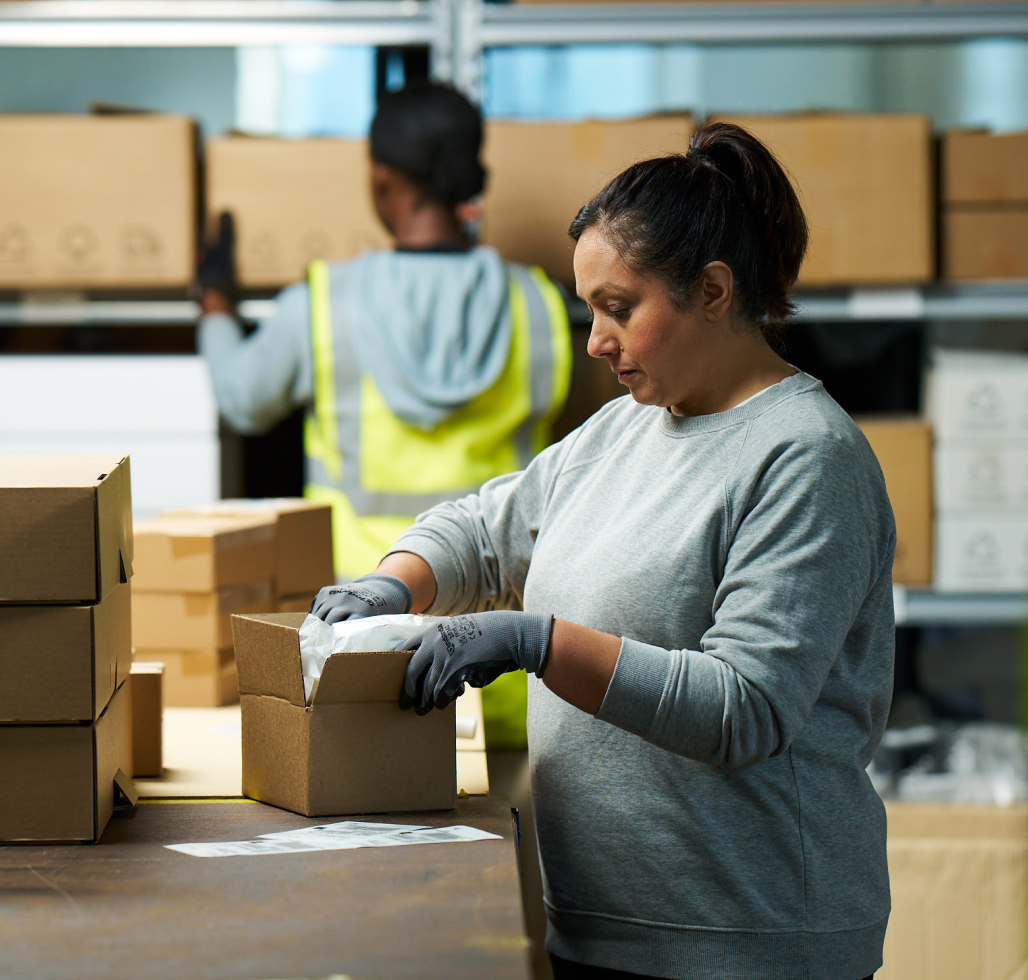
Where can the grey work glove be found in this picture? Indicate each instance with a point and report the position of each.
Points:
(473, 649)
(370, 595)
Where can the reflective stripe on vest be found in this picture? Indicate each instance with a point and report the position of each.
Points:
(378, 472)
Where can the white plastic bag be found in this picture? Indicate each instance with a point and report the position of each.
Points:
(319, 640)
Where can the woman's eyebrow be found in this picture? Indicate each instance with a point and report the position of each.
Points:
(606, 287)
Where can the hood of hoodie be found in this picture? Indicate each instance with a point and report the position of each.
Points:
(432, 329)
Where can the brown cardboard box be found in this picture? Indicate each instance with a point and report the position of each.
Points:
(202, 554)
(195, 678)
(63, 663)
(352, 750)
(865, 182)
(66, 527)
(987, 243)
(959, 880)
(145, 683)
(59, 780)
(293, 201)
(97, 201)
(303, 539)
(295, 603)
(541, 173)
(979, 167)
(903, 446)
(194, 620)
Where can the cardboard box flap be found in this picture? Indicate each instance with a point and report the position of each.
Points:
(267, 649)
(350, 677)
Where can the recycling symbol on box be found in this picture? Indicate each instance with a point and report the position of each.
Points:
(141, 245)
(78, 243)
(15, 244)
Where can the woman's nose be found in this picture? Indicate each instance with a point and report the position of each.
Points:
(601, 342)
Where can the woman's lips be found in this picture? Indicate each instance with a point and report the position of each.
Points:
(623, 376)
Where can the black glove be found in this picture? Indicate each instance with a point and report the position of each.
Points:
(474, 649)
(370, 595)
(217, 269)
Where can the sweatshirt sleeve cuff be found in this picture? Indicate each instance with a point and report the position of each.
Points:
(444, 568)
(636, 687)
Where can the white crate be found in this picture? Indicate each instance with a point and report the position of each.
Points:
(974, 395)
(984, 477)
(981, 553)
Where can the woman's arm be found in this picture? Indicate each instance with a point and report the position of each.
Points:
(580, 664)
(415, 573)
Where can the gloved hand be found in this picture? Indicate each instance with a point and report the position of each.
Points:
(475, 649)
(217, 269)
(370, 595)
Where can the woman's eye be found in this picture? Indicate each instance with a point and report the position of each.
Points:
(619, 312)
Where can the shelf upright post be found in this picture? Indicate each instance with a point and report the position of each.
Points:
(468, 48)
(443, 49)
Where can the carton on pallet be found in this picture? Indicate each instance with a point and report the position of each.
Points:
(145, 687)
(352, 750)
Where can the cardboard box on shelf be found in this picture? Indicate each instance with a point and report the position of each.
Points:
(541, 173)
(984, 243)
(352, 750)
(866, 185)
(202, 554)
(62, 663)
(293, 201)
(303, 538)
(59, 780)
(981, 552)
(195, 678)
(98, 201)
(194, 620)
(989, 477)
(903, 446)
(959, 881)
(145, 687)
(979, 167)
(978, 396)
(66, 532)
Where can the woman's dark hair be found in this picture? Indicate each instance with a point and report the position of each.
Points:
(432, 134)
(727, 200)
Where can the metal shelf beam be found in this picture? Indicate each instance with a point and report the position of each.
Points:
(923, 607)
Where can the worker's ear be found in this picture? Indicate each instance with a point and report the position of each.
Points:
(717, 286)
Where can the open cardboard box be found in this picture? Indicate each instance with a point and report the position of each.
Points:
(352, 750)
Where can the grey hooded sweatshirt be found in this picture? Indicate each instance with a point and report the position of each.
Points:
(432, 329)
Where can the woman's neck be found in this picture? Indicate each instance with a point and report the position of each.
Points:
(427, 227)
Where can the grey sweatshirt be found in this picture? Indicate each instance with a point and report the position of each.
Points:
(714, 821)
(431, 328)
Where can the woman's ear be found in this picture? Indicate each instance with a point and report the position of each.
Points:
(717, 286)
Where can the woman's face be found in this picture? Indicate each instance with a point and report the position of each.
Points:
(663, 355)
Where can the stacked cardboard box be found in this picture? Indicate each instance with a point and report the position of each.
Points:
(984, 205)
(978, 402)
(192, 573)
(65, 644)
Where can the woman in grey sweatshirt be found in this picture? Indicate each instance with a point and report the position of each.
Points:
(705, 574)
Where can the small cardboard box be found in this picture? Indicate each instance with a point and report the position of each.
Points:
(984, 243)
(866, 185)
(981, 552)
(98, 201)
(195, 620)
(975, 397)
(63, 663)
(145, 683)
(65, 527)
(982, 476)
(959, 881)
(979, 167)
(903, 446)
(293, 201)
(202, 554)
(541, 173)
(352, 750)
(59, 780)
(303, 538)
(195, 678)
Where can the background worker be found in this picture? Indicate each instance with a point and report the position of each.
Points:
(705, 572)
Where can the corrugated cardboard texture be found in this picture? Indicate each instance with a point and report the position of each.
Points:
(293, 201)
(195, 678)
(541, 173)
(276, 752)
(979, 167)
(194, 620)
(987, 243)
(145, 686)
(959, 879)
(268, 655)
(58, 780)
(903, 446)
(865, 182)
(97, 201)
(201, 554)
(63, 663)
(66, 533)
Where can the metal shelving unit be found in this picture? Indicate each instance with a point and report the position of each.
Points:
(924, 607)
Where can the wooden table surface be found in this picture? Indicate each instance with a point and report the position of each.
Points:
(129, 907)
